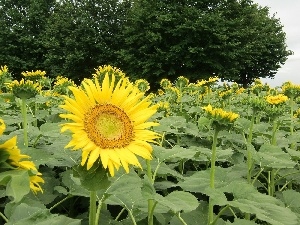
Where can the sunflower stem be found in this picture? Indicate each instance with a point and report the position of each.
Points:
(131, 216)
(3, 217)
(249, 155)
(120, 213)
(150, 201)
(212, 175)
(292, 124)
(180, 218)
(35, 122)
(274, 130)
(25, 125)
(61, 201)
(99, 209)
(92, 213)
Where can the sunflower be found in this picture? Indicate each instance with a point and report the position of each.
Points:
(15, 160)
(277, 99)
(34, 75)
(2, 126)
(142, 84)
(109, 123)
(221, 119)
(24, 89)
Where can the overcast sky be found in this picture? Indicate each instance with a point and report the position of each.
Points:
(288, 11)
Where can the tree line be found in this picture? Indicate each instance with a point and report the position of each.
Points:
(236, 40)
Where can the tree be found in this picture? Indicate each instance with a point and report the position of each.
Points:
(235, 40)
(82, 35)
(21, 23)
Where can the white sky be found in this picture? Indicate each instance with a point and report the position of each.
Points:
(288, 11)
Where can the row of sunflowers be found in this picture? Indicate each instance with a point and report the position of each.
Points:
(108, 151)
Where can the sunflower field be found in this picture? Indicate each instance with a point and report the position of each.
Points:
(108, 151)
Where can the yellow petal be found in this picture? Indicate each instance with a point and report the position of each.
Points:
(94, 155)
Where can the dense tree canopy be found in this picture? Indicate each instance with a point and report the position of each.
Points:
(234, 39)
(63, 37)
(21, 25)
(81, 35)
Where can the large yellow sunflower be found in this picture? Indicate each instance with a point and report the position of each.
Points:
(109, 123)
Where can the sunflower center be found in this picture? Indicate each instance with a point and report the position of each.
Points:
(108, 126)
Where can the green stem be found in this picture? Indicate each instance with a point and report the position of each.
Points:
(271, 182)
(284, 186)
(212, 175)
(292, 116)
(219, 214)
(61, 201)
(92, 212)
(150, 201)
(257, 175)
(35, 111)
(25, 124)
(274, 130)
(97, 217)
(180, 218)
(3, 217)
(120, 213)
(131, 217)
(180, 90)
(249, 153)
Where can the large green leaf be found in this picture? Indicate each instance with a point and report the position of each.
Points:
(271, 213)
(195, 217)
(291, 198)
(17, 183)
(272, 156)
(125, 190)
(178, 201)
(241, 222)
(176, 152)
(28, 215)
(265, 207)
(72, 184)
(199, 181)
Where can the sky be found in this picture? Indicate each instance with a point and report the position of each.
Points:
(288, 11)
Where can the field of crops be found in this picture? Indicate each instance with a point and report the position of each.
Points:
(108, 151)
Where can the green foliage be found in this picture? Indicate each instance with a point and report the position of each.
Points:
(16, 182)
(21, 27)
(256, 179)
(235, 40)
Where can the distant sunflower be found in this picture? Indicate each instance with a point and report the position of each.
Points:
(2, 126)
(110, 123)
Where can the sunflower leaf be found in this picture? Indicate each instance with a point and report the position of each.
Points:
(17, 183)
(27, 215)
(93, 179)
(178, 201)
